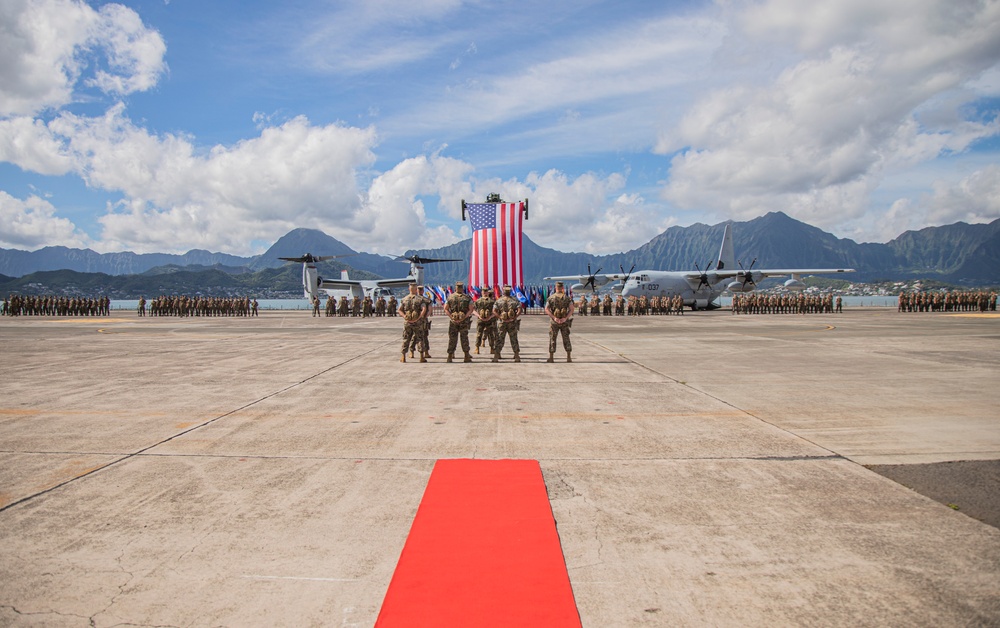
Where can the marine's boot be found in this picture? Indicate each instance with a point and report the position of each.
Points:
(569, 358)
(403, 358)
(468, 357)
(496, 356)
(517, 357)
(411, 354)
(451, 358)
(422, 358)
(477, 349)
(551, 358)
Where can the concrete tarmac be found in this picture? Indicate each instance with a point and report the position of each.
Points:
(708, 469)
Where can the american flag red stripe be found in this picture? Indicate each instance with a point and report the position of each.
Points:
(496, 244)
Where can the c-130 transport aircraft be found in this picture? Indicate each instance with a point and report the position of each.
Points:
(699, 288)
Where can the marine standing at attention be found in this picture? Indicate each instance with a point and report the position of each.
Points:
(559, 307)
(486, 328)
(507, 309)
(413, 309)
(458, 307)
(425, 331)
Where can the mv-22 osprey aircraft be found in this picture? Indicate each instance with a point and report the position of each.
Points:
(312, 283)
(699, 288)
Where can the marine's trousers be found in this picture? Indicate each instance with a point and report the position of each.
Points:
(423, 338)
(411, 336)
(560, 328)
(507, 329)
(486, 332)
(458, 331)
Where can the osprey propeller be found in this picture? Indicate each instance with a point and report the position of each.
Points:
(591, 279)
(309, 258)
(416, 259)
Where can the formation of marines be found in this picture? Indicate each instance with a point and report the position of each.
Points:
(641, 305)
(197, 306)
(358, 307)
(955, 301)
(50, 305)
(497, 322)
(761, 303)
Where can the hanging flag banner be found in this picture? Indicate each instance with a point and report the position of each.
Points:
(496, 243)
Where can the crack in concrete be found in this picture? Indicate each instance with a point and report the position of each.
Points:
(121, 587)
(143, 450)
(21, 613)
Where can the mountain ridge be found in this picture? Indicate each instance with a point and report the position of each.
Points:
(956, 253)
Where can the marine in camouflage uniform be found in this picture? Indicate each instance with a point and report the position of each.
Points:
(559, 308)
(414, 309)
(507, 309)
(425, 330)
(486, 327)
(458, 307)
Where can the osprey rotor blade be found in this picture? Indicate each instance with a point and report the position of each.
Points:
(416, 259)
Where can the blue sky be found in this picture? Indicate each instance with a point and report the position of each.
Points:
(167, 126)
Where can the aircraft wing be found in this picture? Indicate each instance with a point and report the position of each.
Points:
(395, 283)
(600, 279)
(347, 284)
(719, 275)
(779, 272)
(339, 284)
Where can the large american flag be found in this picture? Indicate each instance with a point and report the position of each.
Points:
(496, 244)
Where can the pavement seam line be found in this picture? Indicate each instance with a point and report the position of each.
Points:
(143, 450)
(722, 401)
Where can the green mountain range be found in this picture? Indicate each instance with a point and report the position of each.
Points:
(958, 254)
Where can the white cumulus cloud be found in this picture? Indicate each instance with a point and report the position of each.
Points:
(177, 195)
(975, 198)
(32, 223)
(48, 46)
(876, 84)
(588, 213)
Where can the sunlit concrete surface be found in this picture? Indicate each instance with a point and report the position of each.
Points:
(703, 470)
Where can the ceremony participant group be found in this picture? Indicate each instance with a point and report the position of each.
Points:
(498, 322)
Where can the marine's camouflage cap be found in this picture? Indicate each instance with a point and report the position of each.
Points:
(559, 284)
(506, 289)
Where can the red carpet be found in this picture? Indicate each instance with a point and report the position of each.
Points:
(482, 551)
